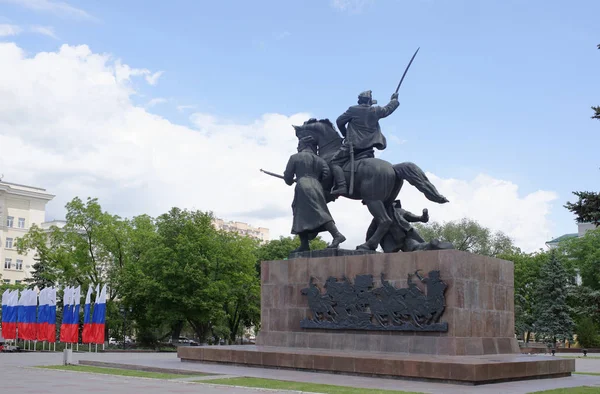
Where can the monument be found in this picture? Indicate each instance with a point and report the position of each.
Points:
(418, 310)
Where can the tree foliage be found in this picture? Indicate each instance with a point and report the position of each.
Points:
(279, 249)
(587, 207)
(527, 268)
(552, 314)
(184, 270)
(469, 236)
(46, 257)
(584, 256)
(587, 333)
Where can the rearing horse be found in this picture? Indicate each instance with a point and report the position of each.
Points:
(376, 182)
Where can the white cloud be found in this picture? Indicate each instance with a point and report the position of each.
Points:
(67, 123)
(152, 79)
(44, 30)
(397, 139)
(9, 30)
(156, 101)
(182, 108)
(56, 7)
(13, 30)
(351, 6)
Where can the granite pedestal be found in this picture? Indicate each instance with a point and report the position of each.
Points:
(478, 347)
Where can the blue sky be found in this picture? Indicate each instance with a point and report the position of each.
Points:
(499, 87)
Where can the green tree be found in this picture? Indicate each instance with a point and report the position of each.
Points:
(46, 256)
(242, 305)
(587, 207)
(94, 246)
(184, 270)
(279, 249)
(583, 255)
(552, 315)
(527, 271)
(468, 235)
(587, 333)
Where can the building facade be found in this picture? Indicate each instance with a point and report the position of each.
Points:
(260, 233)
(20, 207)
(582, 228)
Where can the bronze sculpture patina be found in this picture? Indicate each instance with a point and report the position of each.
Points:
(309, 207)
(348, 168)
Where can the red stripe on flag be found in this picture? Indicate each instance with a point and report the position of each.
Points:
(27, 331)
(86, 333)
(41, 331)
(50, 332)
(9, 330)
(97, 333)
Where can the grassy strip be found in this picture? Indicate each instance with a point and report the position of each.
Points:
(119, 372)
(297, 386)
(572, 390)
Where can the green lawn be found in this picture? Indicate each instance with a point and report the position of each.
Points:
(120, 372)
(574, 390)
(297, 386)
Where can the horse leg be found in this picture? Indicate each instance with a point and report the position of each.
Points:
(383, 220)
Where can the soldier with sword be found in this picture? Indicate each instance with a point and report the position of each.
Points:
(362, 134)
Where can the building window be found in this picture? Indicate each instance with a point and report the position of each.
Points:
(7, 263)
(9, 243)
(21, 222)
(19, 265)
(6, 281)
(17, 282)
(9, 221)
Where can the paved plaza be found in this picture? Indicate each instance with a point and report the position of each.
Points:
(17, 376)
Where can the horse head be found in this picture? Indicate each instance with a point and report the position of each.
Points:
(323, 131)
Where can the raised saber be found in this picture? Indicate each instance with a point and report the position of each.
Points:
(407, 67)
(274, 174)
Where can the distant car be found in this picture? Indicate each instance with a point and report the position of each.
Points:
(184, 341)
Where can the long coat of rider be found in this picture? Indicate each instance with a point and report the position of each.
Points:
(363, 131)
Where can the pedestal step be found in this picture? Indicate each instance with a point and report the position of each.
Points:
(472, 370)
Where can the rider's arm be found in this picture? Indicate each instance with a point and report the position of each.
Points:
(411, 217)
(342, 120)
(383, 112)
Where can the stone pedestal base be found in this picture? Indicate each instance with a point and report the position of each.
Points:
(473, 370)
(473, 342)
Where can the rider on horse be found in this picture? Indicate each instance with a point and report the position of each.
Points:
(364, 134)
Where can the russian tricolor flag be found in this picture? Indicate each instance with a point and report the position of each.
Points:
(75, 319)
(9, 314)
(87, 321)
(67, 319)
(99, 317)
(42, 321)
(51, 323)
(27, 315)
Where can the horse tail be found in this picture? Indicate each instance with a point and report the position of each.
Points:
(415, 176)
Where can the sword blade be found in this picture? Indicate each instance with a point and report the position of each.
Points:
(274, 174)
(407, 67)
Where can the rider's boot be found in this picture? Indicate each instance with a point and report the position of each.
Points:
(338, 237)
(339, 180)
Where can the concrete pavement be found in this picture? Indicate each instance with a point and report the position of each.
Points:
(17, 378)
